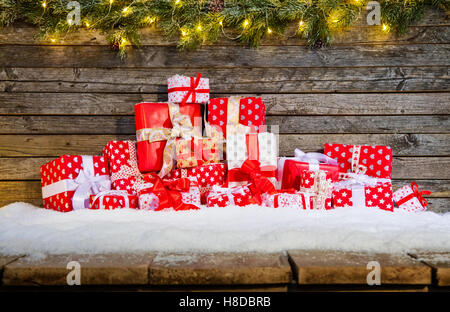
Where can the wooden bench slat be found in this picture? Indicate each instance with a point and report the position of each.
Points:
(110, 269)
(220, 269)
(440, 262)
(337, 267)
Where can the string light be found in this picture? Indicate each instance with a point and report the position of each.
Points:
(183, 33)
(220, 23)
(385, 28)
(245, 24)
(178, 2)
(123, 41)
(53, 40)
(44, 4)
(87, 24)
(269, 31)
(111, 1)
(150, 20)
(199, 27)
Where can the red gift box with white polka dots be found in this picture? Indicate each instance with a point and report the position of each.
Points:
(374, 161)
(223, 197)
(360, 196)
(111, 202)
(65, 168)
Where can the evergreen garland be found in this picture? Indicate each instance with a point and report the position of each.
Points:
(196, 22)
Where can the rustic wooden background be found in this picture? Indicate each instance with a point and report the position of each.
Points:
(367, 88)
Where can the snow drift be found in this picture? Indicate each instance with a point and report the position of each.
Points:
(25, 229)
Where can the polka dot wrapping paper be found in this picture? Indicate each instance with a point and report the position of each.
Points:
(374, 161)
(408, 198)
(182, 89)
(111, 202)
(222, 197)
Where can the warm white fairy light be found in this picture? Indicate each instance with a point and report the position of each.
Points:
(245, 24)
(269, 31)
(44, 4)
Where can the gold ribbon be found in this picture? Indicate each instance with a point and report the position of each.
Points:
(181, 128)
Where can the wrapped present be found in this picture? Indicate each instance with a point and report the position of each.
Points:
(289, 199)
(289, 171)
(238, 196)
(243, 145)
(197, 152)
(207, 176)
(182, 89)
(68, 181)
(248, 111)
(374, 161)
(179, 194)
(361, 191)
(110, 200)
(409, 198)
(158, 125)
(123, 166)
(320, 186)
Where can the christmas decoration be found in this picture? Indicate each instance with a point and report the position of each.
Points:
(196, 22)
(68, 181)
(361, 191)
(197, 151)
(248, 111)
(184, 90)
(223, 197)
(290, 169)
(207, 176)
(157, 127)
(110, 200)
(320, 186)
(409, 198)
(374, 161)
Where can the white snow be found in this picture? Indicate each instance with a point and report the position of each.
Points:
(25, 229)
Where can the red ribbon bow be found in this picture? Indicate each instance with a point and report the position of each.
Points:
(415, 193)
(251, 171)
(169, 193)
(192, 89)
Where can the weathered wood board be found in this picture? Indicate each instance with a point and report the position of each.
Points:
(440, 262)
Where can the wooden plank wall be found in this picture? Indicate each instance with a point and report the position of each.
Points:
(367, 88)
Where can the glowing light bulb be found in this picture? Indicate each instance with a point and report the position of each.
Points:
(177, 1)
(183, 33)
(199, 27)
(269, 30)
(300, 23)
(220, 23)
(125, 10)
(44, 4)
(87, 24)
(245, 24)
(111, 1)
(385, 27)
(53, 40)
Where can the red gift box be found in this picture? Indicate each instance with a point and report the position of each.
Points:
(320, 184)
(374, 161)
(68, 181)
(157, 126)
(361, 191)
(249, 111)
(207, 176)
(290, 169)
(294, 199)
(110, 200)
(238, 196)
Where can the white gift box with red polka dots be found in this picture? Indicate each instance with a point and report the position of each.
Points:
(180, 86)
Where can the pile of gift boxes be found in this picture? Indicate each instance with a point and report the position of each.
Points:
(194, 152)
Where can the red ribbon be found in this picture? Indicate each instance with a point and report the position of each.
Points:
(415, 193)
(169, 193)
(192, 89)
(252, 171)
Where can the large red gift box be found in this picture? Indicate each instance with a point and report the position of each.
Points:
(158, 124)
(238, 196)
(207, 176)
(362, 192)
(248, 111)
(290, 169)
(374, 161)
(111, 200)
(68, 181)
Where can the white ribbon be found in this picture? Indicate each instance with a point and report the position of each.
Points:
(100, 196)
(84, 185)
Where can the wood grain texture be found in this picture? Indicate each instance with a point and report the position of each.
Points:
(220, 56)
(30, 192)
(337, 267)
(440, 262)
(287, 124)
(228, 80)
(55, 145)
(276, 104)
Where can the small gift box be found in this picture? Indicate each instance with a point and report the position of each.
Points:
(290, 169)
(184, 89)
(242, 146)
(247, 111)
(68, 181)
(207, 176)
(179, 194)
(361, 191)
(158, 125)
(197, 152)
(409, 198)
(374, 161)
(320, 185)
(110, 200)
(237, 196)
(123, 166)
(282, 199)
